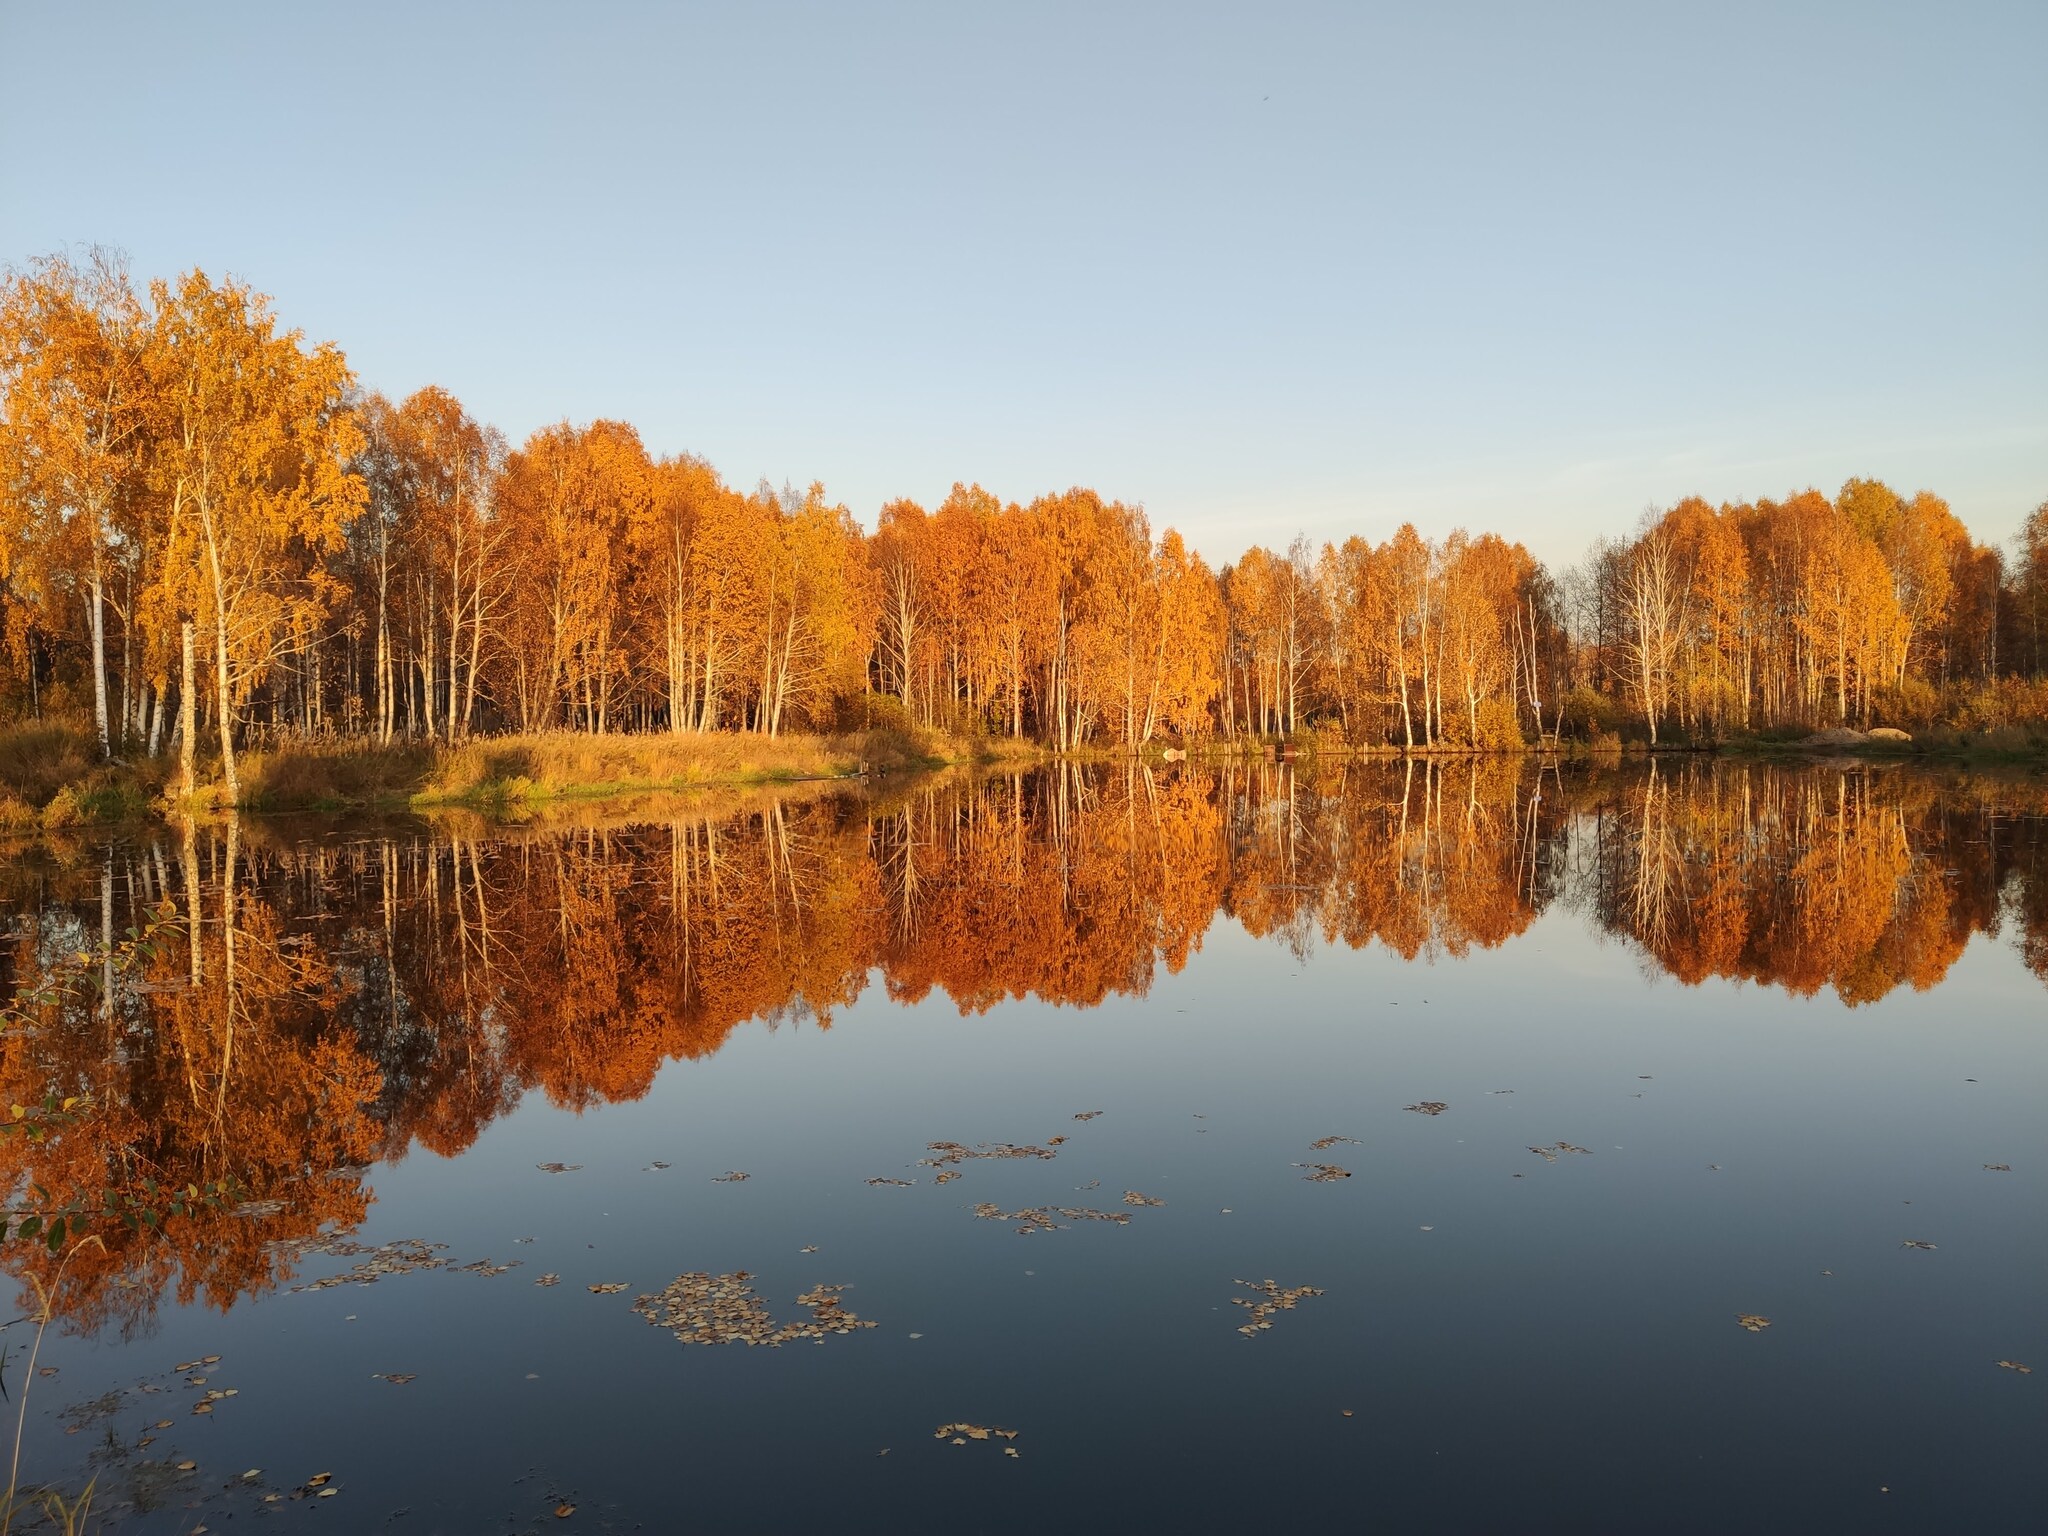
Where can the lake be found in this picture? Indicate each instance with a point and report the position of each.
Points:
(1456, 1145)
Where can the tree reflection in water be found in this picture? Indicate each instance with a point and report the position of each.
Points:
(319, 1004)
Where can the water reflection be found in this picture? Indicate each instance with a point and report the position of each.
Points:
(304, 1007)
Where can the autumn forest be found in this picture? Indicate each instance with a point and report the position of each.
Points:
(212, 534)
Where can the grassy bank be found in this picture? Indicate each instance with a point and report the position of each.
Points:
(51, 776)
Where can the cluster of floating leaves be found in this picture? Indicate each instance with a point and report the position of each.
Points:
(559, 1167)
(1998, 1167)
(892, 1183)
(1323, 1173)
(947, 1154)
(396, 1378)
(483, 1267)
(732, 1176)
(1914, 1242)
(607, 1288)
(1324, 1143)
(1428, 1107)
(2014, 1365)
(1278, 1299)
(1549, 1154)
(401, 1256)
(960, 1434)
(1039, 1218)
(723, 1309)
(1088, 1114)
(1752, 1322)
(1132, 1197)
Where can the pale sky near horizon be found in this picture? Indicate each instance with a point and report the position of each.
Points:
(1264, 268)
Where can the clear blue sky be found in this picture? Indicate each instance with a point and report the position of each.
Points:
(1264, 268)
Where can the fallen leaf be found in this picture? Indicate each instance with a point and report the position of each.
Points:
(1323, 1173)
(608, 1288)
(564, 1511)
(1752, 1322)
(1428, 1107)
(1914, 1242)
(2014, 1365)
(559, 1167)
(732, 1176)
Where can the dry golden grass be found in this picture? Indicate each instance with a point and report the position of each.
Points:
(508, 772)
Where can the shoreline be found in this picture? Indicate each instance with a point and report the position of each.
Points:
(520, 778)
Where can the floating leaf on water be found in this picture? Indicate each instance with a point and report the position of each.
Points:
(731, 1176)
(2014, 1365)
(1914, 1242)
(1998, 1167)
(319, 1479)
(1346, 1412)
(892, 1183)
(1088, 1114)
(960, 1434)
(550, 1278)
(608, 1288)
(46, 1370)
(1494, 1093)
(945, 1154)
(206, 1407)
(1549, 1153)
(1324, 1143)
(1711, 1167)
(559, 1167)
(188, 1466)
(564, 1511)
(808, 1248)
(400, 1378)
(1039, 1218)
(946, 1175)
(1752, 1322)
(1323, 1173)
(1428, 1107)
(1132, 1197)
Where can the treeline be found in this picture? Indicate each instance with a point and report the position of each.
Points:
(209, 533)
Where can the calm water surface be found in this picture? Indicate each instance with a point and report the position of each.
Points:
(1768, 1024)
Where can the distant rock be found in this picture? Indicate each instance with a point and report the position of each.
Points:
(1889, 733)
